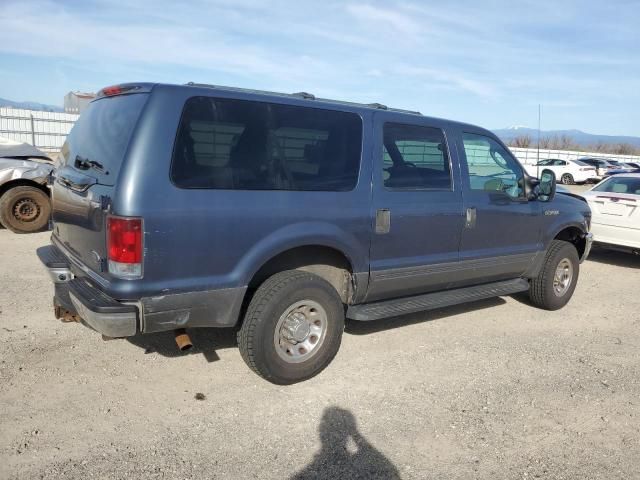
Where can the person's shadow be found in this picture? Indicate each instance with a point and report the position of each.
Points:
(345, 453)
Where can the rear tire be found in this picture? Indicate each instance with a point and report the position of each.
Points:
(293, 327)
(25, 209)
(567, 179)
(553, 287)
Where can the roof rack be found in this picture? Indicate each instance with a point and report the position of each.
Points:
(304, 96)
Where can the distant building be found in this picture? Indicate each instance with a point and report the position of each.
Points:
(76, 102)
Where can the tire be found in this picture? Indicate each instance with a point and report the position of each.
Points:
(567, 179)
(551, 291)
(277, 313)
(25, 209)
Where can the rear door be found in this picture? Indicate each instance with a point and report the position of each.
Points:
(503, 230)
(417, 204)
(85, 181)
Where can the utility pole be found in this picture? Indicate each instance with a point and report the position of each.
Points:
(538, 161)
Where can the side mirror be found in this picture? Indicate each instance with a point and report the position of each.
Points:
(547, 186)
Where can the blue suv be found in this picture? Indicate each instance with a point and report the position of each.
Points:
(183, 206)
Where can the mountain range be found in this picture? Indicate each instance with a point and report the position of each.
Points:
(30, 105)
(578, 136)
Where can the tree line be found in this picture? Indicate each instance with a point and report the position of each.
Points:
(565, 142)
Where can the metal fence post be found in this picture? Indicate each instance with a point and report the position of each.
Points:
(33, 131)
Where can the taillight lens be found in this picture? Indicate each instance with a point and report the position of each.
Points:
(124, 246)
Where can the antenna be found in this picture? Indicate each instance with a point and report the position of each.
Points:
(539, 117)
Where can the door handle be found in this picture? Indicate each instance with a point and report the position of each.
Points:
(471, 217)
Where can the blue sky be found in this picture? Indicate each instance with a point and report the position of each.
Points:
(488, 63)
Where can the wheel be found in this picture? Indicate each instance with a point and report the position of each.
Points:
(567, 179)
(554, 285)
(293, 327)
(25, 209)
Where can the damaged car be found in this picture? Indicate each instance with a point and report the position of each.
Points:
(25, 205)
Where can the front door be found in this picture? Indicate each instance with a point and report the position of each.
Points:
(502, 233)
(417, 203)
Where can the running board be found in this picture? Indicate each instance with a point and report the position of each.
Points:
(431, 301)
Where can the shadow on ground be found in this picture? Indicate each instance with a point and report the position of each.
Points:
(345, 453)
(206, 341)
(614, 257)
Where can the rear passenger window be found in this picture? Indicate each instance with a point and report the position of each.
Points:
(415, 158)
(244, 145)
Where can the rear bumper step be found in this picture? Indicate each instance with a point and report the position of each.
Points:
(101, 312)
(81, 298)
(56, 264)
(431, 301)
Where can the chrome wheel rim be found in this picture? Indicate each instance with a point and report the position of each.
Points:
(300, 331)
(563, 277)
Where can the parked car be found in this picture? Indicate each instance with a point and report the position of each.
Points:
(24, 195)
(568, 172)
(602, 166)
(624, 168)
(616, 217)
(620, 165)
(206, 206)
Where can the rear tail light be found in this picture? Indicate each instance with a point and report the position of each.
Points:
(124, 246)
(116, 90)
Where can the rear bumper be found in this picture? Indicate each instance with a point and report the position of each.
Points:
(79, 296)
(616, 235)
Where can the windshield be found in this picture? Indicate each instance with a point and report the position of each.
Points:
(620, 185)
(582, 164)
(99, 139)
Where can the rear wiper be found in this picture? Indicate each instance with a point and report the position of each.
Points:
(86, 164)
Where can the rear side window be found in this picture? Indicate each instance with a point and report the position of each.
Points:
(415, 158)
(101, 135)
(245, 145)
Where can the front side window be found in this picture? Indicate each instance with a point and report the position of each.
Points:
(246, 145)
(491, 167)
(415, 158)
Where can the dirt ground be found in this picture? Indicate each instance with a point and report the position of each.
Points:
(495, 389)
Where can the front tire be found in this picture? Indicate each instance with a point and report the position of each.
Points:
(553, 287)
(25, 209)
(293, 327)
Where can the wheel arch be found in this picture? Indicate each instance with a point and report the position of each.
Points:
(23, 182)
(328, 262)
(573, 234)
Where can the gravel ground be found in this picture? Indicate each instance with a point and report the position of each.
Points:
(495, 389)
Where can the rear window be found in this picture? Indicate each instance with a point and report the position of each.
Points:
(244, 145)
(620, 185)
(99, 139)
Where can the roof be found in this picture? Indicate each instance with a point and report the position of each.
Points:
(304, 96)
(82, 94)
(310, 98)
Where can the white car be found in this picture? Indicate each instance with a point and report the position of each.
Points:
(568, 172)
(615, 209)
